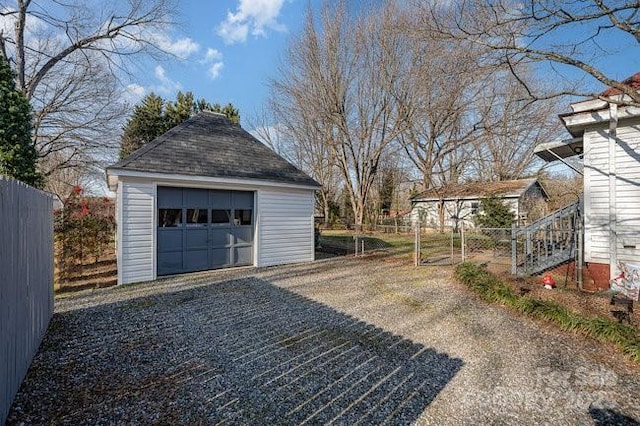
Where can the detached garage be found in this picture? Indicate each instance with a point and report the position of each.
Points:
(208, 195)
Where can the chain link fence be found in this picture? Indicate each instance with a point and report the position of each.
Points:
(450, 246)
(362, 239)
(431, 246)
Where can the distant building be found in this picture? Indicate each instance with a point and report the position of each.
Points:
(459, 203)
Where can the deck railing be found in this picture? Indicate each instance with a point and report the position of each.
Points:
(548, 242)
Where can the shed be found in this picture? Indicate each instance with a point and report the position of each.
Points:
(208, 195)
(452, 204)
(606, 132)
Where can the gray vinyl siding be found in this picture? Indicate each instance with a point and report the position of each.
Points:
(285, 223)
(26, 281)
(136, 232)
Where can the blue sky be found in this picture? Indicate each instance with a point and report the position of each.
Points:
(226, 51)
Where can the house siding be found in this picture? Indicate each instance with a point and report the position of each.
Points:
(136, 252)
(597, 193)
(285, 227)
(628, 191)
(427, 212)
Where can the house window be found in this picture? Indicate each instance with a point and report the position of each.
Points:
(475, 207)
(169, 218)
(220, 216)
(196, 217)
(243, 216)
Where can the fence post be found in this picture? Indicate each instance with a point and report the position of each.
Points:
(462, 241)
(514, 250)
(452, 262)
(416, 242)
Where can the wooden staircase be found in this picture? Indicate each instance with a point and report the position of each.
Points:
(549, 241)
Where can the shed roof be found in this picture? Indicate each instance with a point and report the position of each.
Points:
(209, 145)
(477, 190)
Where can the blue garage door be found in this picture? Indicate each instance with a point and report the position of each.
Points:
(200, 229)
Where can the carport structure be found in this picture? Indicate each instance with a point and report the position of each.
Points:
(208, 195)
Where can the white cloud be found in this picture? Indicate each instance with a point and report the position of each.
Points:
(214, 58)
(166, 85)
(212, 55)
(214, 70)
(251, 16)
(133, 93)
(182, 48)
(136, 90)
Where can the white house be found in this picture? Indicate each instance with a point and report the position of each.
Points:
(208, 195)
(608, 135)
(454, 204)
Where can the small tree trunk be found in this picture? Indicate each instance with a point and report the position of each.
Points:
(326, 208)
(441, 214)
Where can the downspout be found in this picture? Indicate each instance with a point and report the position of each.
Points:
(613, 240)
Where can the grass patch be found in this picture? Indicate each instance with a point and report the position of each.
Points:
(384, 240)
(492, 289)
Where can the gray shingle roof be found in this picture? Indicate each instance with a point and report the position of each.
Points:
(208, 144)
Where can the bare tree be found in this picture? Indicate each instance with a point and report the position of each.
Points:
(514, 126)
(62, 180)
(302, 140)
(563, 34)
(340, 70)
(446, 78)
(68, 57)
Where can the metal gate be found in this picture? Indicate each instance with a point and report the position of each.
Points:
(200, 229)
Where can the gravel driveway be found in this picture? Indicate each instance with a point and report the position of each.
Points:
(348, 341)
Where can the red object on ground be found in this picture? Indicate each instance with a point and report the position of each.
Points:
(547, 280)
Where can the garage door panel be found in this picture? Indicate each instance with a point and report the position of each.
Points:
(169, 240)
(169, 197)
(219, 199)
(220, 258)
(196, 197)
(220, 238)
(242, 200)
(170, 263)
(243, 235)
(196, 260)
(197, 238)
(243, 255)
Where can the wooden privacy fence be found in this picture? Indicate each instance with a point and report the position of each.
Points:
(26, 281)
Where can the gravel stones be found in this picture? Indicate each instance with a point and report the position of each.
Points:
(349, 341)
